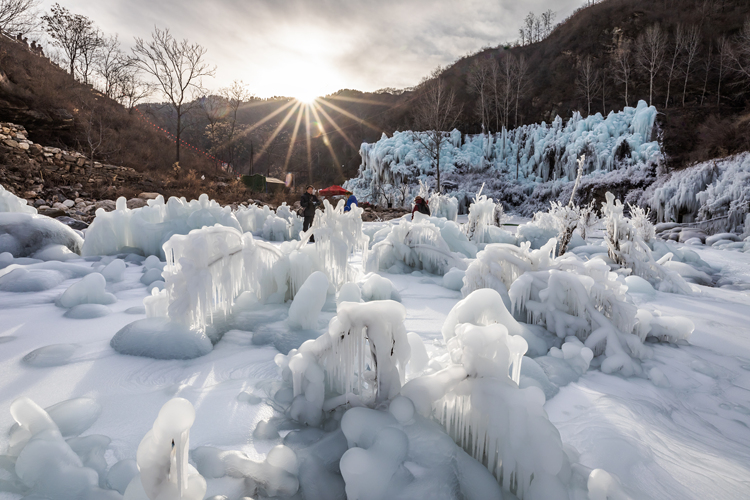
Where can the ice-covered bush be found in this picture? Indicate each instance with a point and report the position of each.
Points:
(12, 203)
(283, 225)
(165, 473)
(628, 249)
(146, 229)
(477, 400)
(443, 206)
(415, 245)
(361, 359)
(485, 218)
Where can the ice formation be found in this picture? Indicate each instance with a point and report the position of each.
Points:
(419, 245)
(476, 397)
(627, 248)
(376, 287)
(12, 203)
(163, 458)
(276, 476)
(146, 229)
(485, 219)
(529, 154)
(715, 193)
(27, 234)
(48, 466)
(38, 276)
(283, 225)
(308, 302)
(361, 358)
(89, 290)
(160, 338)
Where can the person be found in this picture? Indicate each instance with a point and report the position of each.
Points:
(421, 206)
(352, 200)
(308, 203)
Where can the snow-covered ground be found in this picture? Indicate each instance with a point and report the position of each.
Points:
(687, 437)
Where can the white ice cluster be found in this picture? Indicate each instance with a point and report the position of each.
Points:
(485, 219)
(530, 154)
(716, 193)
(12, 203)
(361, 359)
(25, 234)
(283, 225)
(144, 230)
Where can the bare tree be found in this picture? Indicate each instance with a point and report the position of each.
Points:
(18, 16)
(478, 81)
(90, 52)
(707, 65)
(522, 33)
(521, 81)
(651, 45)
(436, 113)
(679, 42)
(538, 31)
(70, 32)
(622, 65)
(739, 54)
(177, 68)
(548, 17)
(236, 94)
(723, 50)
(528, 26)
(110, 63)
(503, 85)
(692, 43)
(588, 81)
(130, 88)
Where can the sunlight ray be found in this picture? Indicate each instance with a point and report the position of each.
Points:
(294, 138)
(327, 142)
(309, 147)
(276, 131)
(356, 99)
(350, 115)
(336, 126)
(268, 117)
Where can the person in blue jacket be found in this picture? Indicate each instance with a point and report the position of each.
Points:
(352, 200)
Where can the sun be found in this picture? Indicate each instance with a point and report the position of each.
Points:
(306, 96)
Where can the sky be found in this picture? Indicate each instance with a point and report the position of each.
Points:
(305, 48)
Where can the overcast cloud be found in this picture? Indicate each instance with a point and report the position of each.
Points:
(278, 47)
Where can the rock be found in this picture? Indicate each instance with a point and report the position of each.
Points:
(39, 203)
(51, 212)
(107, 205)
(30, 194)
(69, 203)
(11, 143)
(69, 158)
(148, 196)
(72, 223)
(134, 203)
(60, 206)
(23, 145)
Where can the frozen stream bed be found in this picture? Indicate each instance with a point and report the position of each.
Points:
(687, 437)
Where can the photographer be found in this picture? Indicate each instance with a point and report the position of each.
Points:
(308, 203)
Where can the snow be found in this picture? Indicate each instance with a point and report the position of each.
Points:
(549, 377)
(12, 203)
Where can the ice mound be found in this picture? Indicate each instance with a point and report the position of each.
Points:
(51, 355)
(149, 227)
(307, 304)
(121, 473)
(364, 354)
(89, 290)
(160, 338)
(414, 245)
(485, 218)
(276, 476)
(163, 458)
(454, 279)
(377, 287)
(39, 276)
(113, 271)
(47, 466)
(443, 206)
(26, 234)
(349, 292)
(12, 203)
(87, 311)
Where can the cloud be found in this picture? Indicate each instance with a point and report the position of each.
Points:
(280, 46)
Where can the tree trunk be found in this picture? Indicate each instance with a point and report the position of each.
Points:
(177, 136)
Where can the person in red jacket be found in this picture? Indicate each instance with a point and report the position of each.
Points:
(420, 205)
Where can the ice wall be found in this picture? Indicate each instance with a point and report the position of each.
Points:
(715, 192)
(528, 154)
(12, 203)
